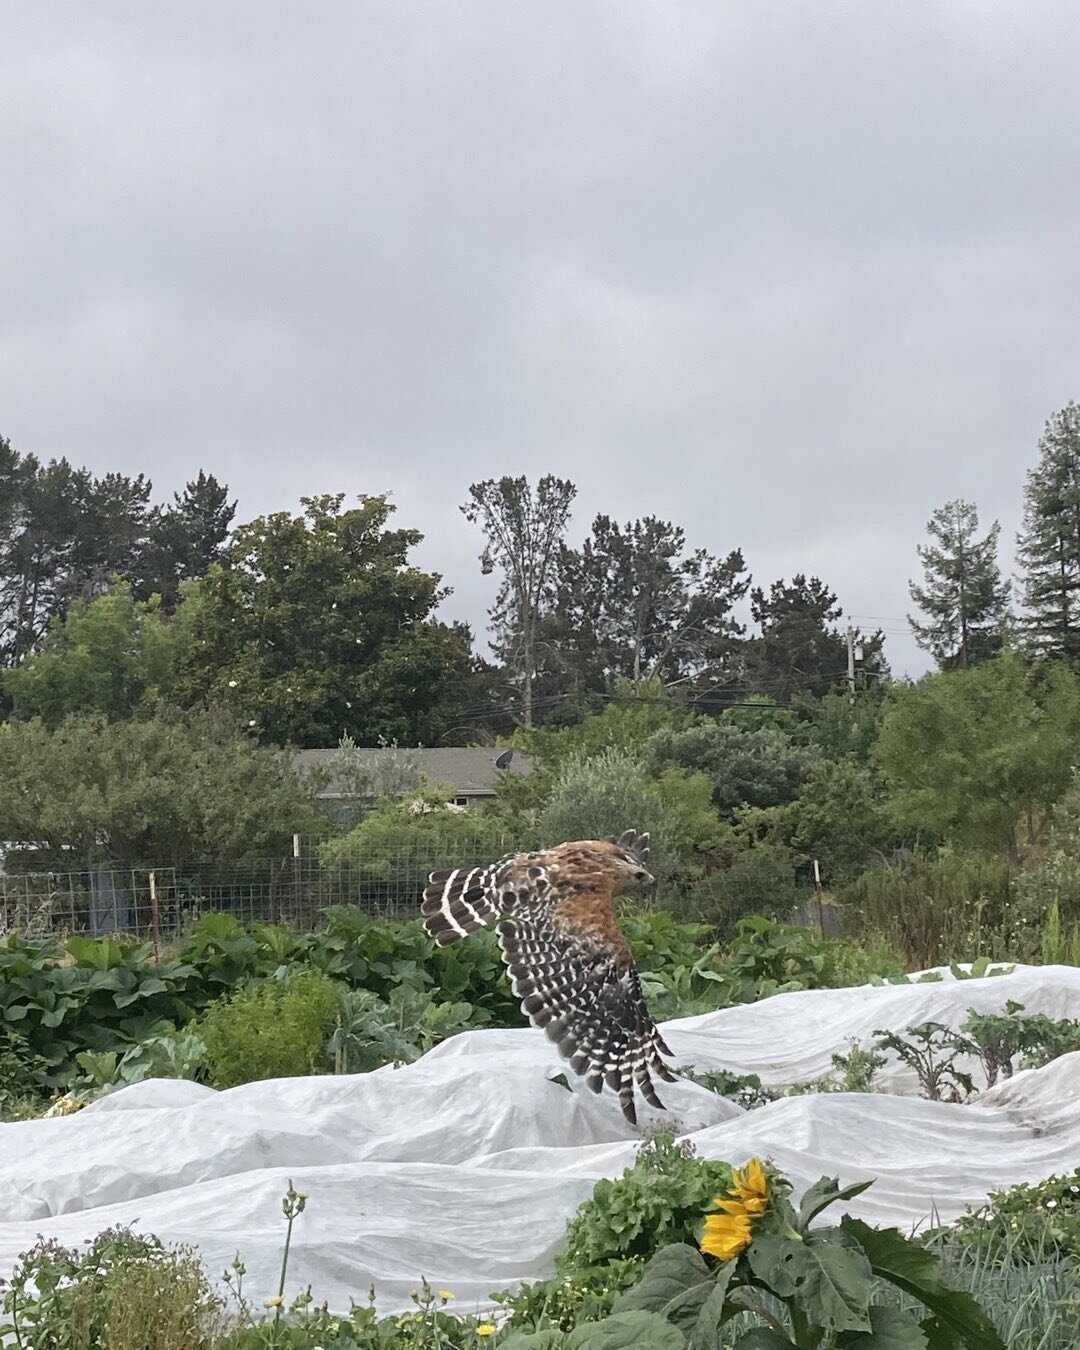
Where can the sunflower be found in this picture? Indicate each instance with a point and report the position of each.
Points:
(729, 1232)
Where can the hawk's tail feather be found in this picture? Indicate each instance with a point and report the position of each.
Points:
(457, 903)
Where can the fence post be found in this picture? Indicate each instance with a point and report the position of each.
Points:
(296, 879)
(820, 906)
(155, 920)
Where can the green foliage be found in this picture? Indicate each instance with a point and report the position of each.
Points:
(270, 1029)
(634, 604)
(522, 534)
(318, 622)
(1048, 893)
(759, 879)
(979, 756)
(659, 1199)
(963, 599)
(123, 1292)
(770, 958)
(174, 1054)
(109, 655)
(932, 1049)
(1056, 947)
(800, 651)
(371, 1032)
(929, 909)
(594, 796)
(744, 768)
(172, 785)
(1049, 543)
(1000, 1038)
(839, 817)
(397, 844)
(1034, 1221)
(849, 963)
(857, 1070)
(808, 1285)
(744, 1089)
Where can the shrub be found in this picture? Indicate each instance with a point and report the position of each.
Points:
(758, 880)
(271, 1029)
(661, 1198)
(124, 1291)
(604, 794)
(1031, 1221)
(933, 910)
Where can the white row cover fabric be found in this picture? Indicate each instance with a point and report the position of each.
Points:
(465, 1166)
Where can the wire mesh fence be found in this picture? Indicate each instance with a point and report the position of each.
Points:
(386, 879)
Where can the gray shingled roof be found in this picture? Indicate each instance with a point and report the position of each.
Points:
(469, 770)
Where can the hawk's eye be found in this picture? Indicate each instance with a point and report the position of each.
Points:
(639, 876)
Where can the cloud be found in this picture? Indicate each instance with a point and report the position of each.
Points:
(792, 276)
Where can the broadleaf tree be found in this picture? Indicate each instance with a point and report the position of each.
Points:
(167, 788)
(109, 655)
(979, 756)
(316, 626)
(964, 601)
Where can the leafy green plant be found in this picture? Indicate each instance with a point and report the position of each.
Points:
(744, 1089)
(932, 1049)
(857, 1070)
(806, 1285)
(1031, 1220)
(124, 1292)
(271, 1029)
(371, 1032)
(172, 1054)
(660, 1198)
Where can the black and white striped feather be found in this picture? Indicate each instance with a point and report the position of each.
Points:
(572, 981)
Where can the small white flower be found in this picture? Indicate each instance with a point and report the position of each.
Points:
(232, 684)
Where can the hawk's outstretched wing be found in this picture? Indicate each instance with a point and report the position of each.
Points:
(566, 956)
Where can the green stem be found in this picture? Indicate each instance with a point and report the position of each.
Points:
(284, 1267)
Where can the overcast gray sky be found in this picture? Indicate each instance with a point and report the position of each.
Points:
(791, 274)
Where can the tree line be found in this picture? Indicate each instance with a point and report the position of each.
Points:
(311, 625)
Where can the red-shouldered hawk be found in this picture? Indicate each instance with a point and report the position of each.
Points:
(567, 958)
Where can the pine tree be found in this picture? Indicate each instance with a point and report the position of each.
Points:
(800, 651)
(963, 598)
(1049, 543)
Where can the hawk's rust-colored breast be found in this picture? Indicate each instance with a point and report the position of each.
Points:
(586, 894)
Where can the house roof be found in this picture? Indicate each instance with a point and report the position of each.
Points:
(469, 770)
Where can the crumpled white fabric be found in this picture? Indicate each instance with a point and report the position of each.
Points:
(465, 1166)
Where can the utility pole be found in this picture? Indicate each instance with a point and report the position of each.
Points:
(851, 659)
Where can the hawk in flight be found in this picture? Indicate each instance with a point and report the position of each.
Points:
(565, 953)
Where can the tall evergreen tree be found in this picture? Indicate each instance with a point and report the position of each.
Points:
(638, 606)
(523, 532)
(963, 597)
(186, 538)
(800, 651)
(1049, 543)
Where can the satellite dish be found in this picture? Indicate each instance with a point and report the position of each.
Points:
(503, 761)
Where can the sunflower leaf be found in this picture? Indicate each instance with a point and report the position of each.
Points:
(627, 1331)
(822, 1194)
(892, 1329)
(828, 1279)
(916, 1271)
(675, 1284)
